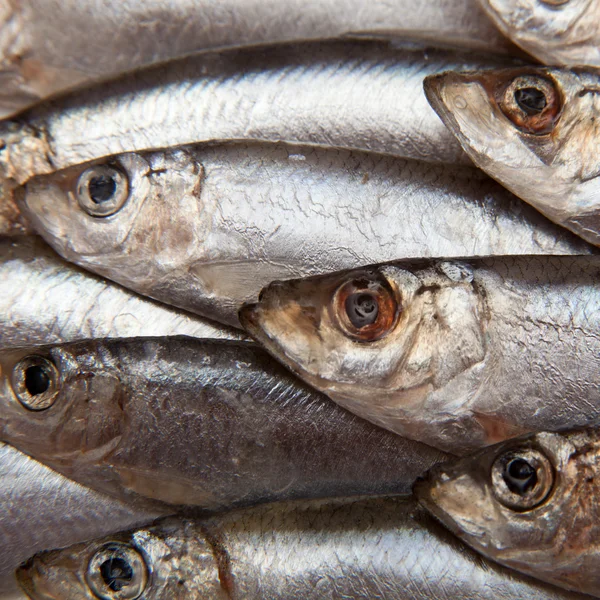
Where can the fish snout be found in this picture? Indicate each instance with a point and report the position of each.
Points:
(248, 316)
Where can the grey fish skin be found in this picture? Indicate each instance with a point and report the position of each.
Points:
(364, 95)
(45, 300)
(229, 219)
(375, 548)
(41, 510)
(212, 424)
(530, 504)
(460, 354)
(545, 154)
(555, 32)
(37, 60)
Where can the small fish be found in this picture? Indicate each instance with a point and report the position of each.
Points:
(530, 504)
(381, 549)
(537, 131)
(557, 32)
(229, 219)
(207, 423)
(435, 349)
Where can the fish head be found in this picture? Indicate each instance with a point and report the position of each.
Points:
(534, 130)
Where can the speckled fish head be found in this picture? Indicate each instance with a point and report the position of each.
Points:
(534, 130)
(529, 503)
(373, 333)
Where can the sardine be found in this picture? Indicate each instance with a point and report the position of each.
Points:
(229, 219)
(44, 300)
(363, 95)
(530, 503)
(537, 131)
(557, 32)
(460, 354)
(37, 58)
(207, 423)
(41, 510)
(381, 549)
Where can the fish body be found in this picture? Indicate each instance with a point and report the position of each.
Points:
(536, 131)
(229, 219)
(530, 503)
(207, 423)
(461, 354)
(376, 548)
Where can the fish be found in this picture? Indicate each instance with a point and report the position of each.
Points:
(459, 354)
(44, 300)
(377, 548)
(556, 32)
(37, 60)
(229, 219)
(530, 504)
(42, 510)
(12, 222)
(536, 131)
(363, 95)
(205, 423)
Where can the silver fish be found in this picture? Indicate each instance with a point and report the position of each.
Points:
(198, 422)
(381, 549)
(229, 219)
(37, 59)
(537, 131)
(363, 95)
(459, 354)
(557, 32)
(40, 510)
(530, 504)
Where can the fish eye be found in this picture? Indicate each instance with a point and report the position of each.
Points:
(117, 572)
(35, 382)
(102, 190)
(522, 479)
(365, 309)
(532, 103)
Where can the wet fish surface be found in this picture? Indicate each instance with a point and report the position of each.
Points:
(207, 423)
(229, 219)
(534, 130)
(530, 504)
(37, 59)
(462, 354)
(376, 548)
(557, 32)
(45, 300)
(364, 95)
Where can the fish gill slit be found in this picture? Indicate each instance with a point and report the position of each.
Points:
(223, 561)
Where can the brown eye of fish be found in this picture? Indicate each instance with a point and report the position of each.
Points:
(35, 382)
(532, 103)
(117, 572)
(522, 479)
(365, 309)
(102, 190)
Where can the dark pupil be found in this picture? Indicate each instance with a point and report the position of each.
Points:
(116, 573)
(36, 380)
(362, 309)
(102, 188)
(531, 100)
(520, 476)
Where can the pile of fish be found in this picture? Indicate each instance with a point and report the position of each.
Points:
(300, 300)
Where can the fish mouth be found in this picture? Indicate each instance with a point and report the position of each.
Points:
(436, 89)
(25, 576)
(248, 316)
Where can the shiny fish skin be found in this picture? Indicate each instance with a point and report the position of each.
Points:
(44, 300)
(40, 510)
(556, 33)
(37, 59)
(229, 219)
(481, 350)
(556, 170)
(555, 538)
(199, 422)
(381, 549)
(364, 95)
